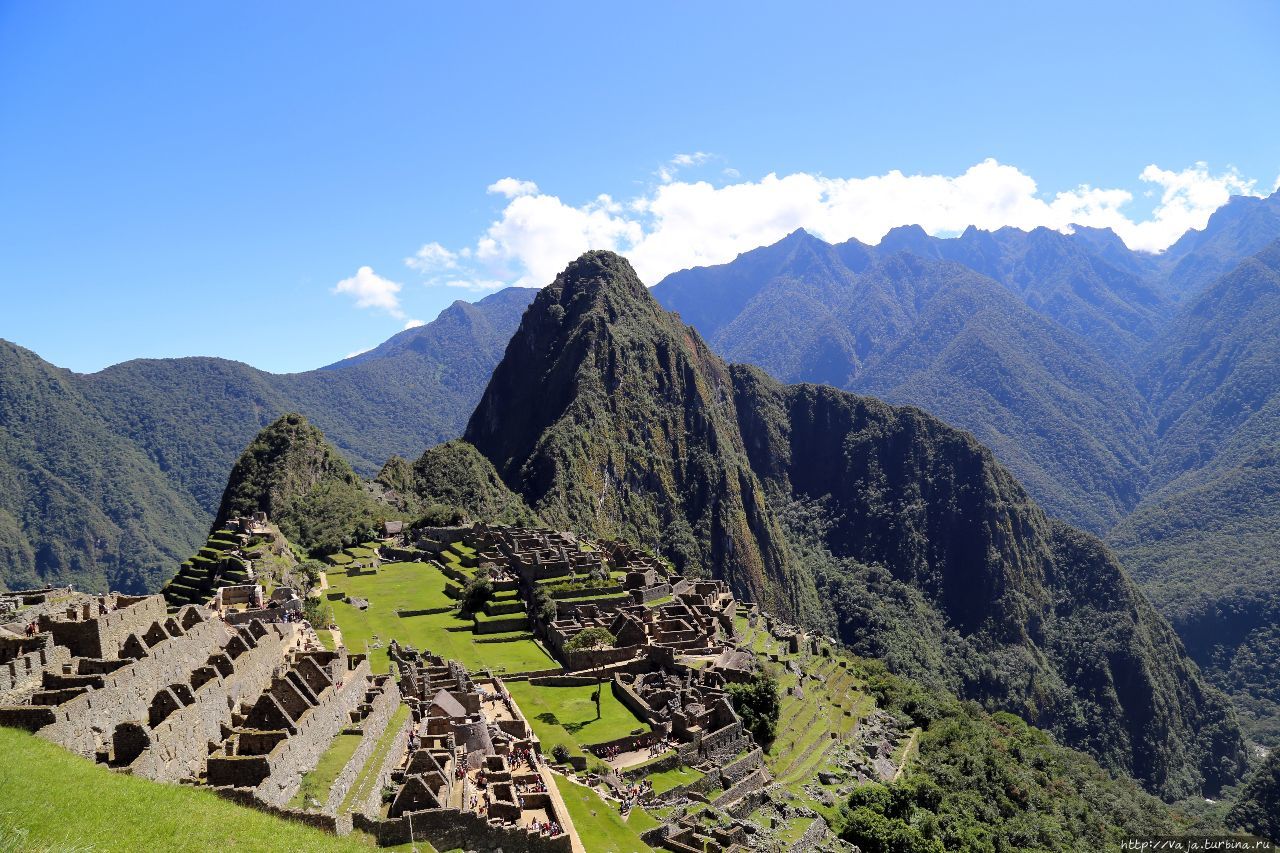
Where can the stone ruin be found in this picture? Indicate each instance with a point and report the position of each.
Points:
(185, 696)
(473, 775)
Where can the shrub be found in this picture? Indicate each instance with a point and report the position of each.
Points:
(590, 638)
(477, 592)
(560, 753)
(757, 703)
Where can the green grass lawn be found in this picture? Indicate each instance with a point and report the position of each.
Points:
(673, 778)
(51, 800)
(316, 784)
(567, 715)
(420, 586)
(599, 825)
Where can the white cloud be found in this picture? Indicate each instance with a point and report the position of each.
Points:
(356, 353)
(679, 224)
(667, 171)
(371, 290)
(513, 187)
(431, 257)
(412, 324)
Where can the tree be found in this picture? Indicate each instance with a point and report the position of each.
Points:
(593, 640)
(477, 592)
(757, 704)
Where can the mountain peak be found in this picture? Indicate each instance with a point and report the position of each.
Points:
(595, 274)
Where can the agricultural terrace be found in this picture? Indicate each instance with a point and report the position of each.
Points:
(407, 602)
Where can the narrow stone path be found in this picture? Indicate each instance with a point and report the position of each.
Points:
(906, 753)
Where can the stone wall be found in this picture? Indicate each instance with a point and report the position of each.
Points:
(22, 674)
(99, 635)
(446, 829)
(384, 705)
(316, 729)
(373, 803)
(82, 724)
(336, 824)
(586, 659)
(180, 743)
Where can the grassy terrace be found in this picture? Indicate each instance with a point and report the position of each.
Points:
(599, 825)
(420, 586)
(51, 800)
(368, 778)
(567, 715)
(673, 778)
(316, 784)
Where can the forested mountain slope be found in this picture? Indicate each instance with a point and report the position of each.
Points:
(78, 501)
(937, 334)
(1121, 410)
(1205, 541)
(607, 414)
(112, 478)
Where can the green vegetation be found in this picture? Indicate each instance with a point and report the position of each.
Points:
(81, 502)
(443, 630)
(455, 484)
(990, 782)
(567, 715)
(362, 787)
(51, 800)
(665, 780)
(1203, 542)
(1257, 810)
(599, 824)
(590, 638)
(290, 472)
(756, 702)
(477, 592)
(315, 784)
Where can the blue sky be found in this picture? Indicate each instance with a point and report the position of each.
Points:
(197, 179)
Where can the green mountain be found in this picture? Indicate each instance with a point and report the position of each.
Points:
(935, 334)
(1204, 541)
(77, 500)
(109, 478)
(1257, 810)
(291, 473)
(453, 483)
(1132, 394)
(1238, 229)
(610, 416)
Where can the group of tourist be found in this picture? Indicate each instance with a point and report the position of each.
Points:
(609, 753)
(33, 628)
(546, 827)
(526, 755)
(659, 746)
(537, 786)
(632, 795)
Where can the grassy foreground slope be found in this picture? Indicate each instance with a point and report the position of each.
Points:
(53, 800)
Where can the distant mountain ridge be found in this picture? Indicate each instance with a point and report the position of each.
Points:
(902, 323)
(137, 473)
(1133, 394)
